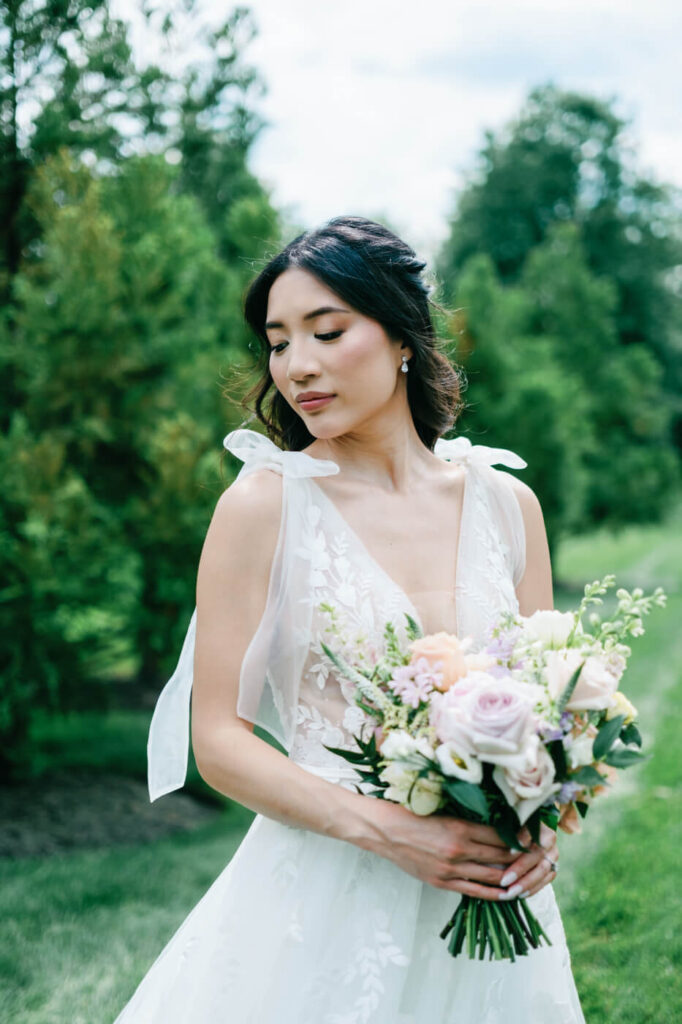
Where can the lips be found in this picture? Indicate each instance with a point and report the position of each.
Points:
(307, 396)
(312, 404)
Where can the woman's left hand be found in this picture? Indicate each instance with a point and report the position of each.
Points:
(532, 870)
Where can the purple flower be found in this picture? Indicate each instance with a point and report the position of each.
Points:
(413, 683)
(548, 733)
(502, 646)
(568, 792)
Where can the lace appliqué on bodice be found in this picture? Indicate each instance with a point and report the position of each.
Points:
(351, 604)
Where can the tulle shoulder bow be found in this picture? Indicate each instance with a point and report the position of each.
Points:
(258, 452)
(460, 449)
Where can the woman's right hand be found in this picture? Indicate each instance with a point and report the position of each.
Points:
(443, 851)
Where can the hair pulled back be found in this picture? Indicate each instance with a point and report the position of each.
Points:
(380, 276)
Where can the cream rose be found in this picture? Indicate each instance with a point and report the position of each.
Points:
(549, 626)
(527, 788)
(559, 667)
(443, 648)
(596, 686)
(622, 706)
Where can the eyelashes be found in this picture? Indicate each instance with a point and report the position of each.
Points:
(322, 337)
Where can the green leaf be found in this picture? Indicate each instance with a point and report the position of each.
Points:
(533, 826)
(469, 796)
(354, 756)
(570, 687)
(588, 776)
(606, 737)
(624, 758)
(631, 734)
(582, 807)
(413, 629)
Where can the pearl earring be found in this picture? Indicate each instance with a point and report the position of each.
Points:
(404, 367)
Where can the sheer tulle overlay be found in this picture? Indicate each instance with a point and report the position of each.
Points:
(300, 928)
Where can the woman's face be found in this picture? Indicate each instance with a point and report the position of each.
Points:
(338, 352)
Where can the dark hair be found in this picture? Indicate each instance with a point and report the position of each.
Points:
(380, 276)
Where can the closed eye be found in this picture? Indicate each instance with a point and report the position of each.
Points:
(322, 337)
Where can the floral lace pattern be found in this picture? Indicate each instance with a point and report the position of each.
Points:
(342, 577)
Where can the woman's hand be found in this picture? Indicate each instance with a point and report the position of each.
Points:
(450, 853)
(445, 852)
(533, 870)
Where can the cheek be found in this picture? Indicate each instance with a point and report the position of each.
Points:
(365, 358)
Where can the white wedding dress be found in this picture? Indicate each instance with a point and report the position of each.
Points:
(300, 928)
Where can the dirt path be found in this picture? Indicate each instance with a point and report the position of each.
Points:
(80, 809)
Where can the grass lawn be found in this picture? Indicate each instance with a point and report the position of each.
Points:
(80, 930)
(621, 906)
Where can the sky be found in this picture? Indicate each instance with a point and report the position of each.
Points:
(380, 110)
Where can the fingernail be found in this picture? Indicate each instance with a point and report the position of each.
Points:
(524, 895)
(507, 879)
(515, 849)
(511, 893)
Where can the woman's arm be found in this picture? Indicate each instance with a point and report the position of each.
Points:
(534, 591)
(232, 586)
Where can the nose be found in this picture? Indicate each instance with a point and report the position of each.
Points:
(302, 362)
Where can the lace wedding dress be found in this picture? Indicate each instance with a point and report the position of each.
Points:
(300, 928)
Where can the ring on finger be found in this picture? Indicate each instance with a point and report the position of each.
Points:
(554, 864)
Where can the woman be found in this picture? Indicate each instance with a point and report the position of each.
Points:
(330, 911)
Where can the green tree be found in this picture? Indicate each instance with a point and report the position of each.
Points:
(565, 159)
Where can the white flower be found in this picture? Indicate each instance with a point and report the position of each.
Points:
(399, 780)
(422, 796)
(622, 706)
(425, 797)
(398, 745)
(549, 626)
(596, 686)
(559, 667)
(579, 752)
(526, 789)
(461, 766)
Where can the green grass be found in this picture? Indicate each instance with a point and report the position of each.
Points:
(80, 930)
(620, 903)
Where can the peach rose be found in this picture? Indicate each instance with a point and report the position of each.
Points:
(569, 819)
(446, 649)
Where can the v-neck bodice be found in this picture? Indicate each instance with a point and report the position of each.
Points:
(362, 552)
(326, 586)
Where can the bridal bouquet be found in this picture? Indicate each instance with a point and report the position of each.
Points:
(529, 729)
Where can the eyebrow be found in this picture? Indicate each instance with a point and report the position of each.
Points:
(309, 316)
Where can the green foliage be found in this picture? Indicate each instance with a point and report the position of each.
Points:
(561, 261)
(122, 271)
(548, 378)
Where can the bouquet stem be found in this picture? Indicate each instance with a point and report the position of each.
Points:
(502, 930)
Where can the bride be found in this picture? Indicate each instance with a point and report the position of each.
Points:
(330, 911)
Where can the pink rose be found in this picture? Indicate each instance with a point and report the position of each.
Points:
(502, 721)
(445, 652)
(528, 787)
(450, 716)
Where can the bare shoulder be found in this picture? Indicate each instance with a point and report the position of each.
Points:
(245, 525)
(526, 496)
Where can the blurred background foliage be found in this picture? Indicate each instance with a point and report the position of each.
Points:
(130, 226)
